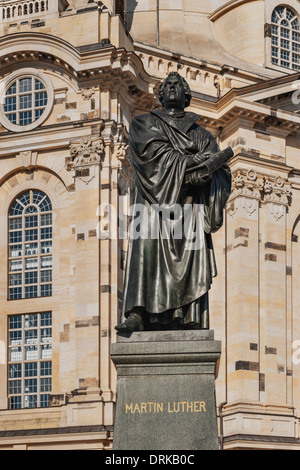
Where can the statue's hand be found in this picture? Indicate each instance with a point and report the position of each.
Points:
(194, 160)
(195, 179)
(200, 158)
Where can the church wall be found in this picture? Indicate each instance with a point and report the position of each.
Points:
(71, 26)
(84, 122)
(247, 23)
(254, 298)
(258, 372)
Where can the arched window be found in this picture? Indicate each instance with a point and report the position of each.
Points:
(285, 35)
(30, 246)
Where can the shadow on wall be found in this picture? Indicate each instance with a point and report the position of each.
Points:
(130, 9)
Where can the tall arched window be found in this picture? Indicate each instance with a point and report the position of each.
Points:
(30, 246)
(285, 35)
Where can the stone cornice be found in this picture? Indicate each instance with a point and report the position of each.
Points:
(242, 103)
(243, 160)
(261, 86)
(41, 43)
(105, 65)
(81, 63)
(285, 121)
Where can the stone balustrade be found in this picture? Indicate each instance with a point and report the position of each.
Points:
(19, 9)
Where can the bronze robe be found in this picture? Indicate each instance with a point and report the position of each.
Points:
(164, 278)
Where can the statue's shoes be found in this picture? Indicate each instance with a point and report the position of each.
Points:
(132, 323)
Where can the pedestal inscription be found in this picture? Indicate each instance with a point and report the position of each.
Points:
(166, 391)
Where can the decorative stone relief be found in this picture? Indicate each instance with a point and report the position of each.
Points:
(249, 205)
(277, 210)
(125, 177)
(121, 154)
(243, 206)
(88, 151)
(267, 189)
(245, 184)
(115, 138)
(277, 191)
(84, 156)
(88, 93)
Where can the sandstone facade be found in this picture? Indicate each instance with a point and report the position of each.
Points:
(101, 67)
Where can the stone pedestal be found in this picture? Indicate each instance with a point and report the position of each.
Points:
(166, 390)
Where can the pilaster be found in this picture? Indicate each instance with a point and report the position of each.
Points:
(257, 326)
(85, 163)
(115, 139)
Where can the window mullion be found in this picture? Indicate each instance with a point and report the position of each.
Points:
(28, 263)
(16, 380)
(17, 102)
(23, 254)
(32, 100)
(30, 94)
(39, 253)
(286, 32)
(22, 363)
(38, 379)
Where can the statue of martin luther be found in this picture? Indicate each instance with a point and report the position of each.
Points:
(175, 163)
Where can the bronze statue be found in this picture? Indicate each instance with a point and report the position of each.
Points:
(176, 164)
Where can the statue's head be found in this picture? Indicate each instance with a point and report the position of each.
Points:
(175, 77)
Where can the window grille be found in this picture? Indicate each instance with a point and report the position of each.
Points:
(25, 101)
(29, 360)
(285, 38)
(30, 246)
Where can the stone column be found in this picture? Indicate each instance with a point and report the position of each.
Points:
(166, 390)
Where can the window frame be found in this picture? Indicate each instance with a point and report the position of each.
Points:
(30, 258)
(16, 385)
(17, 76)
(271, 46)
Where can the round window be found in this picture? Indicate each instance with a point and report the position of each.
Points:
(26, 101)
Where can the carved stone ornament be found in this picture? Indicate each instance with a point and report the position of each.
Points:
(265, 188)
(277, 210)
(118, 135)
(125, 176)
(87, 93)
(121, 152)
(84, 156)
(88, 151)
